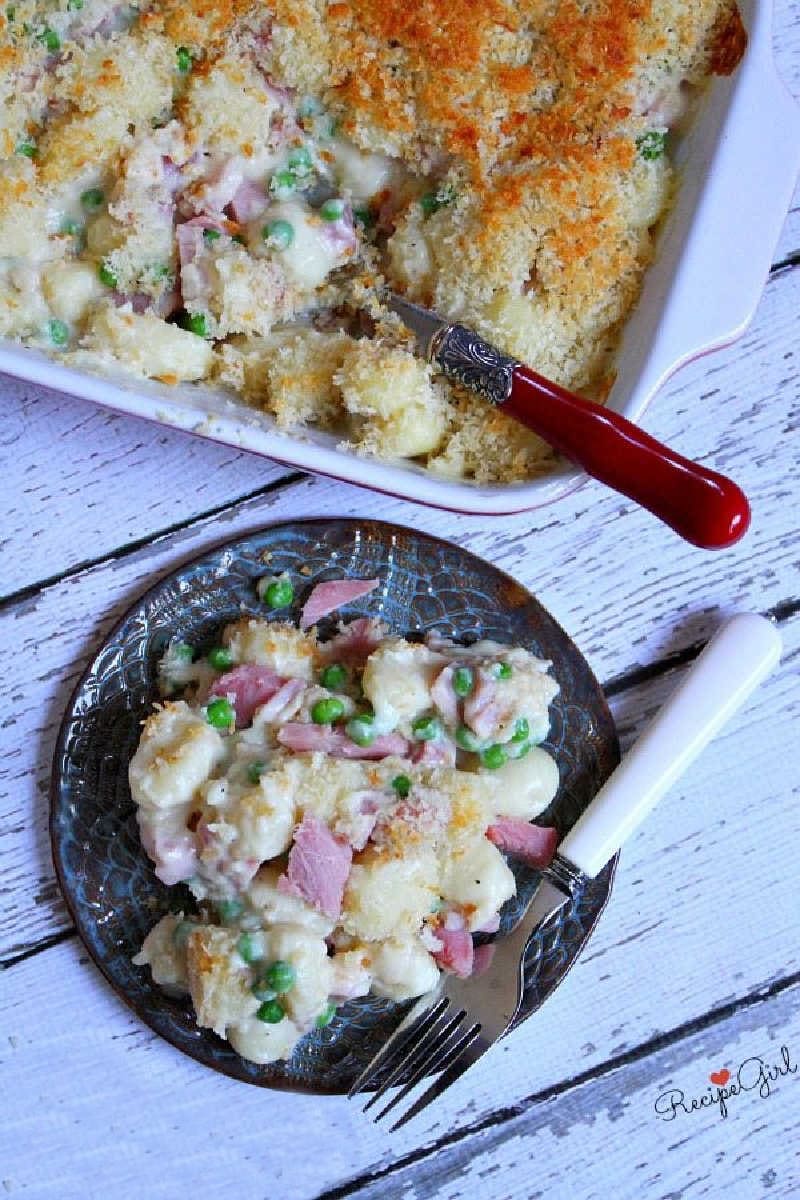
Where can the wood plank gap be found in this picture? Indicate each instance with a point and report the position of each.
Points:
(89, 564)
(653, 1045)
(55, 939)
(785, 264)
(630, 679)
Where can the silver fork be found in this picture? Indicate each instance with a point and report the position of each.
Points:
(450, 1028)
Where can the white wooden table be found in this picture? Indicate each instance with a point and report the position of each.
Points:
(695, 966)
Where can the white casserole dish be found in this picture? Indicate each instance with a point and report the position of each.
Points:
(738, 164)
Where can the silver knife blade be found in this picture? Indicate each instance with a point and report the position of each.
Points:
(423, 323)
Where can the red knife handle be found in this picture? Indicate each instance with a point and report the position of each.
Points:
(707, 509)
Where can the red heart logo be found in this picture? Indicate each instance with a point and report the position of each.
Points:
(720, 1078)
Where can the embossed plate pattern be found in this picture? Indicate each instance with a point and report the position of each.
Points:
(426, 584)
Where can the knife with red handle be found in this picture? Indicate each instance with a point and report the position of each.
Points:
(704, 507)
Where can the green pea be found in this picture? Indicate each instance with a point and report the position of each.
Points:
(494, 757)
(92, 199)
(71, 228)
(332, 210)
(49, 39)
(261, 991)
(27, 149)
(280, 976)
(271, 1012)
(425, 729)
(211, 235)
(279, 234)
(365, 217)
(283, 183)
(463, 681)
(522, 730)
(74, 5)
(277, 593)
(326, 1016)
(183, 60)
(401, 785)
(220, 713)
(182, 932)
(327, 710)
(652, 145)
(250, 946)
(431, 202)
(196, 323)
(182, 651)
(467, 740)
(300, 160)
(58, 332)
(517, 750)
(220, 658)
(361, 729)
(106, 275)
(255, 770)
(502, 670)
(230, 910)
(333, 676)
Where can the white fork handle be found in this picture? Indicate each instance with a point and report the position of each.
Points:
(733, 663)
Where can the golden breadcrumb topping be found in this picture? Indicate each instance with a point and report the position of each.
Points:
(220, 190)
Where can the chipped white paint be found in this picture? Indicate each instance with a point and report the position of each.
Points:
(686, 971)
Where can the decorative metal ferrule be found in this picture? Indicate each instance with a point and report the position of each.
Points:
(566, 876)
(477, 364)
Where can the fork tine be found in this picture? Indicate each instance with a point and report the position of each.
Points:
(416, 1046)
(432, 1051)
(395, 1054)
(414, 1020)
(458, 1061)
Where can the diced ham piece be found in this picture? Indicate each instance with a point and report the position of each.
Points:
(319, 865)
(219, 189)
(444, 698)
(304, 738)
(355, 642)
(534, 844)
(277, 708)
(482, 958)
(341, 235)
(247, 687)
(327, 597)
(172, 851)
(438, 752)
(456, 954)
(486, 707)
(248, 201)
(189, 237)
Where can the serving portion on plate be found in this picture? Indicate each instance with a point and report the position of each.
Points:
(336, 807)
(275, 793)
(221, 194)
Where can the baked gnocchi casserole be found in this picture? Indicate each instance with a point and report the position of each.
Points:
(219, 190)
(339, 811)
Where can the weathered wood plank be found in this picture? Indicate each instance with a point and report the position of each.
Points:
(606, 1136)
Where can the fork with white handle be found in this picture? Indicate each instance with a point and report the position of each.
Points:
(450, 1028)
